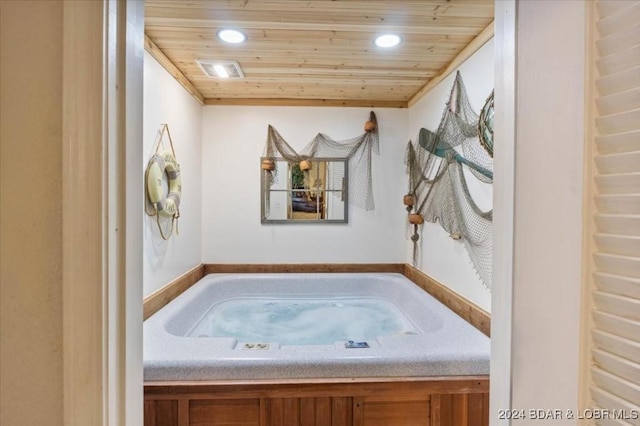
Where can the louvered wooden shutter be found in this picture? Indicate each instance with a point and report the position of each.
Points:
(615, 334)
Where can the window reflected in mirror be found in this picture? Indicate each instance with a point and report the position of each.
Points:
(311, 191)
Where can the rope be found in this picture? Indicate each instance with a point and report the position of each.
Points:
(174, 225)
(164, 128)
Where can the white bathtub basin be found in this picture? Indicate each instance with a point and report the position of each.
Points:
(184, 341)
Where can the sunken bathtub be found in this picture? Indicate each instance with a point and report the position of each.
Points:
(274, 346)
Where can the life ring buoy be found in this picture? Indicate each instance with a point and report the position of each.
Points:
(159, 165)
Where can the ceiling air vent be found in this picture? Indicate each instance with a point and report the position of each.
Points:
(221, 69)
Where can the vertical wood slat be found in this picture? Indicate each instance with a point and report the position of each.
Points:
(275, 411)
(446, 410)
(341, 411)
(307, 411)
(291, 411)
(485, 409)
(460, 409)
(264, 419)
(475, 408)
(323, 411)
(183, 412)
(358, 411)
(435, 410)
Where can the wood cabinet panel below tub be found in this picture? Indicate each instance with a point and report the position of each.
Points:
(321, 411)
(222, 412)
(435, 402)
(397, 413)
(161, 413)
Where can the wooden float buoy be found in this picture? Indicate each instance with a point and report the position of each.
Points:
(415, 219)
(268, 165)
(370, 126)
(409, 200)
(305, 165)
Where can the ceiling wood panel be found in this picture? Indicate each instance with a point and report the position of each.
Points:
(316, 50)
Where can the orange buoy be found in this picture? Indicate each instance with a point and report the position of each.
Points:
(305, 165)
(370, 126)
(268, 164)
(415, 219)
(409, 200)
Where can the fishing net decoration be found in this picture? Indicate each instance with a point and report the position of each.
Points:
(357, 150)
(438, 189)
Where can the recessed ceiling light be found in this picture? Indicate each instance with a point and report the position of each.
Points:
(232, 36)
(387, 40)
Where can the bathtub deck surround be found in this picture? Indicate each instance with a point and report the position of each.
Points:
(439, 344)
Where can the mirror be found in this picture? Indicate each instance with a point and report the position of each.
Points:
(311, 191)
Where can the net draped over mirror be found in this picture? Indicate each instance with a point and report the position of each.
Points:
(358, 151)
(438, 187)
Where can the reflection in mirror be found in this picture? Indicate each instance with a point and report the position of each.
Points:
(312, 191)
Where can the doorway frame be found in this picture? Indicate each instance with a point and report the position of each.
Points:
(102, 228)
(101, 225)
(505, 24)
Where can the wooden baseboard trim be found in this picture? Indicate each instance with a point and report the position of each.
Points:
(469, 311)
(155, 301)
(303, 268)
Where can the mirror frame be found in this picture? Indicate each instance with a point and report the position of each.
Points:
(263, 193)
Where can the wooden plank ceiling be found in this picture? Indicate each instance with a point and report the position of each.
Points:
(315, 52)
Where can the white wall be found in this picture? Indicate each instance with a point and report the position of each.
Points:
(166, 101)
(233, 139)
(233, 142)
(441, 257)
(549, 152)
